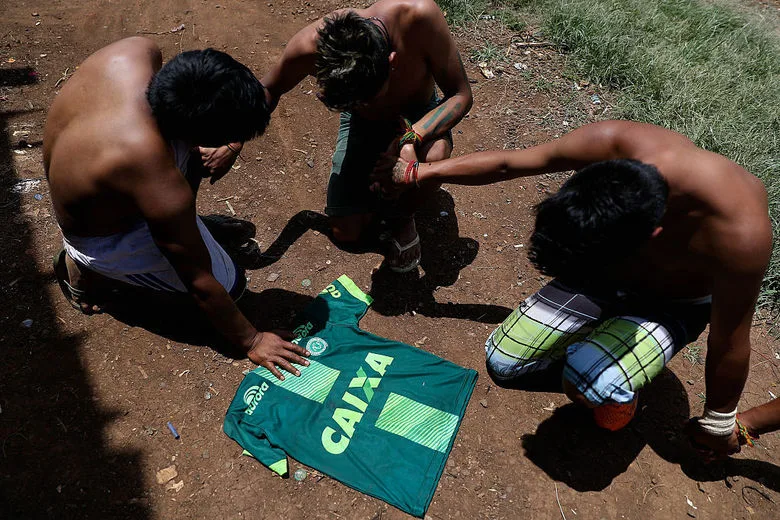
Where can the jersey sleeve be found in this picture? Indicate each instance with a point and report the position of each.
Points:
(340, 302)
(252, 438)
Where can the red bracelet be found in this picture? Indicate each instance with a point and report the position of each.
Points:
(408, 173)
(411, 173)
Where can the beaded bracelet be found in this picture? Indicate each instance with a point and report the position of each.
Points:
(410, 135)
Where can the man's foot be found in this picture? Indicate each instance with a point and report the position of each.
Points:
(236, 237)
(229, 231)
(615, 416)
(404, 248)
(74, 284)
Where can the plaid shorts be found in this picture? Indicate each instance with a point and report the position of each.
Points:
(611, 344)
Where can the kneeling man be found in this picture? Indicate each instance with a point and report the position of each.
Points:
(379, 67)
(649, 241)
(125, 145)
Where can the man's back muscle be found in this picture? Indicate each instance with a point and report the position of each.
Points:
(99, 118)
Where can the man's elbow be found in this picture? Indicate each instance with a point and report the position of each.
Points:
(468, 99)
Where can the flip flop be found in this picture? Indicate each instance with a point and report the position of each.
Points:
(411, 265)
(71, 294)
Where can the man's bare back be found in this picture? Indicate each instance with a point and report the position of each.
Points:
(99, 118)
(411, 80)
(714, 205)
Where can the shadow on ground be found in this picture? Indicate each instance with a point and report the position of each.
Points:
(444, 255)
(272, 309)
(570, 448)
(54, 461)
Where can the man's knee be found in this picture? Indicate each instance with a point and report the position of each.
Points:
(504, 367)
(437, 151)
(589, 384)
(576, 396)
(348, 229)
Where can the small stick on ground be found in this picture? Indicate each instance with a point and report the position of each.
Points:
(64, 77)
(304, 152)
(534, 44)
(169, 31)
(649, 490)
(559, 500)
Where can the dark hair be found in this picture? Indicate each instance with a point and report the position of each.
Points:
(207, 98)
(352, 60)
(600, 216)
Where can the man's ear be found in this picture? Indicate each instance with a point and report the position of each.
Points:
(391, 59)
(656, 232)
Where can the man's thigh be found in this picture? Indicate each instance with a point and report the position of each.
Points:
(626, 352)
(358, 146)
(537, 333)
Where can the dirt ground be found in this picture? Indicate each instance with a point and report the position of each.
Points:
(84, 400)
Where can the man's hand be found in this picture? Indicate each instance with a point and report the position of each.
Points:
(388, 175)
(711, 447)
(269, 350)
(218, 161)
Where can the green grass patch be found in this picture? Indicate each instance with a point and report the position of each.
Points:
(703, 69)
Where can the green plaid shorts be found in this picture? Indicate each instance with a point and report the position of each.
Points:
(612, 344)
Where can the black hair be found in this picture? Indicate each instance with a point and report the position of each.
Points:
(600, 216)
(207, 98)
(352, 60)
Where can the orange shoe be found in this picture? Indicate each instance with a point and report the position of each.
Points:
(614, 416)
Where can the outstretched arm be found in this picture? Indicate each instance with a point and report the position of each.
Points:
(590, 143)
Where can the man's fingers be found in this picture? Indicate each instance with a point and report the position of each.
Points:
(275, 371)
(287, 366)
(296, 349)
(295, 358)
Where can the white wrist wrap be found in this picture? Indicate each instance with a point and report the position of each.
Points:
(718, 423)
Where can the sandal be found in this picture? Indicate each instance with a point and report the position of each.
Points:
(401, 249)
(72, 294)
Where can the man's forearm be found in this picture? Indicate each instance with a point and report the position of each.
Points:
(221, 310)
(481, 168)
(725, 375)
(438, 121)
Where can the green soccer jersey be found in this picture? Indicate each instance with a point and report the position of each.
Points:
(375, 414)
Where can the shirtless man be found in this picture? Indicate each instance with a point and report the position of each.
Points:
(648, 242)
(375, 66)
(122, 158)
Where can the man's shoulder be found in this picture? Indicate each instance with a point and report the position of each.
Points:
(407, 12)
(137, 154)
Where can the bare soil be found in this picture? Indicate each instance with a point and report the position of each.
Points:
(84, 400)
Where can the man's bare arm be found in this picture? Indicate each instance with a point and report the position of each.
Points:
(296, 63)
(735, 291)
(448, 71)
(587, 144)
(167, 204)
